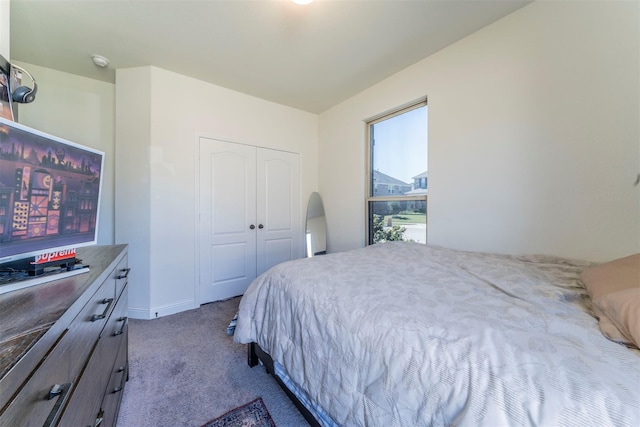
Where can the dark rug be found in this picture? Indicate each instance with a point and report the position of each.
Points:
(252, 414)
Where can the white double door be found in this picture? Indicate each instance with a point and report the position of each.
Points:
(249, 215)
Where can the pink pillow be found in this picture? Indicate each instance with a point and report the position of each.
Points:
(620, 316)
(613, 276)
(614, 288)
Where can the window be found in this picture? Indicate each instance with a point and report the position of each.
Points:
(396, 187)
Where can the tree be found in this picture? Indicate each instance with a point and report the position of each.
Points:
(392, 234)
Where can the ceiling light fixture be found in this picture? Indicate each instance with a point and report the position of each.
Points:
(100, 60)
(302, 2)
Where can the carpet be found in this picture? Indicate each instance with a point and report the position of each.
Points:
(252, 414)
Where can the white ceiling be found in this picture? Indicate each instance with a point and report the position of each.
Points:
(309, 57)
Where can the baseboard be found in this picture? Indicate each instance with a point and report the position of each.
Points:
(152, 313)
(139, 313)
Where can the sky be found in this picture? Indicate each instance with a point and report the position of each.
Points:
(401, 143)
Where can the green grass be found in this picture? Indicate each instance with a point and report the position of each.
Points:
(406, 219)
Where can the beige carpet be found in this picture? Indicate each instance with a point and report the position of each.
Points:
(185, 370)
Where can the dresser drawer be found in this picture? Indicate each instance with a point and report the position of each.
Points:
(42, 398)
(113, 395)
(84, 404)
(122, 275)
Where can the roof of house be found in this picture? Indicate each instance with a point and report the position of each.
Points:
(416, 192)
(382, 178)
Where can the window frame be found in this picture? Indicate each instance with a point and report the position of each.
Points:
(422, 102)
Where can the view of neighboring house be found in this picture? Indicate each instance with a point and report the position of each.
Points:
(384, 185)
(419, 189)
(419, 185)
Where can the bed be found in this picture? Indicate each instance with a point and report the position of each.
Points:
(405, 334)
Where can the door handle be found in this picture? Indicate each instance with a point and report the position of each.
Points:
(252, 227)
(261, 226)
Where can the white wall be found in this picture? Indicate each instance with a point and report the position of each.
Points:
(181, 109)
(533, 136)
(80, 110)
(5, 29)
(534, 144)
(133, 183)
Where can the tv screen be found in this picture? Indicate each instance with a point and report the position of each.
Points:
(49, 192)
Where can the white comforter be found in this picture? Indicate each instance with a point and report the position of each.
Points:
(403, 334)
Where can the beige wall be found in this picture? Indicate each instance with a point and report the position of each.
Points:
(160, 116)
(533, 136)
(79, 110)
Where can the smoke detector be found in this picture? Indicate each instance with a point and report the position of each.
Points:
(100, 60)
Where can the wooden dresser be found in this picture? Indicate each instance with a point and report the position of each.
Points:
(63, 346)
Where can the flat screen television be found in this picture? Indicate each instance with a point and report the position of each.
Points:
(49, 195)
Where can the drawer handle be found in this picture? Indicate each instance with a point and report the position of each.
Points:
(99, 419)
(107, 301)
(59, 391)
(122, 381)
(126, 273)
(124, 323)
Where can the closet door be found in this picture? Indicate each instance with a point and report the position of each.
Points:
(279, 236)
(227, 214)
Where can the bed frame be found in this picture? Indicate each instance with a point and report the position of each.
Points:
(255, 355)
